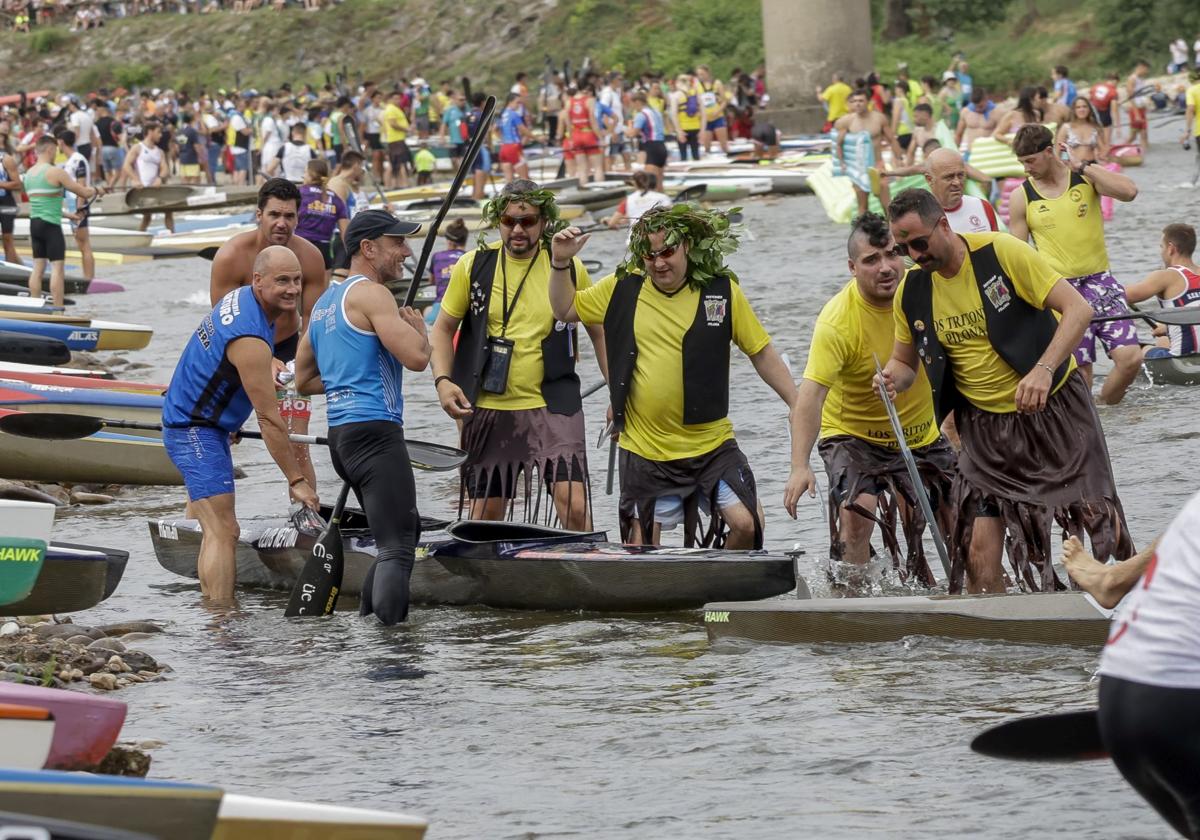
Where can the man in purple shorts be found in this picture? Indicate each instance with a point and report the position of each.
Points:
(1060, 207)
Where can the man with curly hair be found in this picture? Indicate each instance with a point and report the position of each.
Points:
(838, 405)
(510, 378)
(670, 313)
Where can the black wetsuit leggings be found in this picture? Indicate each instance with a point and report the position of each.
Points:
(690, 142)
(1153, 736)
(373, 457)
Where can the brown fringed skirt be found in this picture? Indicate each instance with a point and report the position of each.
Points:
(1033, 470)
(855, 466)
(518, 455)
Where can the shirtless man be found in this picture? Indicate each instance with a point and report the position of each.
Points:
(1138, 102)
(976, 120)
(877, 126)
(233, 266)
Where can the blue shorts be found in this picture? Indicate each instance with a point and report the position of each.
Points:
(241, 163)
(719, 122)
(483, 161)
(668, 510)
(1157, 353)
(201, 453)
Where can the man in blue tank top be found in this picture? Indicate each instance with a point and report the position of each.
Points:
(356, 347)
(223, 375)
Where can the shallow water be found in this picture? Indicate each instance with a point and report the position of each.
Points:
(518, 725)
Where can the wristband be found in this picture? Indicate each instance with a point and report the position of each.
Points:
(437, 379)
(559, 267)
(1047, 367)
(297, 481)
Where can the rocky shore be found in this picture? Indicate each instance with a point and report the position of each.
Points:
(41, 651)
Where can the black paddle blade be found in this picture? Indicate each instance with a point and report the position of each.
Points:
(50, 427)
(316, 590)
(208, 253)
(433, 456)
(1070, 736)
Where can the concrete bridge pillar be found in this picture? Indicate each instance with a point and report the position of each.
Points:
(806, 41)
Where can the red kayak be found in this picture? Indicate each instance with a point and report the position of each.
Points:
(85, 726)
(72, 381)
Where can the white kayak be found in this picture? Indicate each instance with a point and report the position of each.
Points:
(101, 238)
(27, 733)
(255, 818)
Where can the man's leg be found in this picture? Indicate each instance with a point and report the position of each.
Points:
(83, 242)
(218, 546)
(984, 572)
(855, 531)
(35, 277)
(58, 281)
(862, 197)
(741, 526)
(571, 503)
(1127, 361)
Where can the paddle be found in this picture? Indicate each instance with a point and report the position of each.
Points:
(1067, 736)
(316, 590)
(1187, 316)
(482, 130)
(914, 474)
(350, 138)
(54, 426)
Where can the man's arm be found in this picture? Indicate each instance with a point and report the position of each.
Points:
(1018, 225)
(596, 334)
(401, 331)
(308, 377)
(565, 245)
(1112, 184)
(312, 277)
(901, 370)
(1156, 284)
(804, 422)
(1034, 388)
(11, 179)
(130, 160)
(252, 358)
(226, 273)
(774, 372)
(975, 175)
(453, 401)
(60, 178)
(960, 129)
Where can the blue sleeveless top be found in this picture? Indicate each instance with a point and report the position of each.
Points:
(362, 379)
(206, 389)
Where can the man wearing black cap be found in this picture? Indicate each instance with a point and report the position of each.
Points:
(354, 352)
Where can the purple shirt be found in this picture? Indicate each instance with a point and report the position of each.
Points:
(440, 265)
(319, 213)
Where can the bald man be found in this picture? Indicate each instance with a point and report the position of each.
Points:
(946, 174)
(224, 374)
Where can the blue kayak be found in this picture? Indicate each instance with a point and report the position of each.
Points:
(91, 335)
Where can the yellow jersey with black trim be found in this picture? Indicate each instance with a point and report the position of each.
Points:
(1068, 230)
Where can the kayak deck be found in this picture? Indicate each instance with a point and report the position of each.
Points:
(1061, 618)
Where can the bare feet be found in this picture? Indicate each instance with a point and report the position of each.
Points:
(1091, 575)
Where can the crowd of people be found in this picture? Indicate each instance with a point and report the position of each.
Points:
(28, 15)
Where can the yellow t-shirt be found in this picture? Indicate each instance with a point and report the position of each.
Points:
(1069, 230)
(849, 335)
(835, 97)
(654, 426)
(686, 122)
(981, 375)
(713, 99)
(657, 104)
(394, 112)
(530, 322)
(1193, 99)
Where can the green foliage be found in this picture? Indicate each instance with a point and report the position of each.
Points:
(709, 237)
(133, 75)
(545, 201)
(1134, 29)
(48, 39)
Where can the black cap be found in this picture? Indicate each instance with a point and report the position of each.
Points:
(372, 224)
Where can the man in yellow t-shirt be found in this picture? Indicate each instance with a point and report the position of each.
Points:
(394, 124)
(1191, 122)
(834, 97)
(994, 325)
(837, 402)
(667, 334)
(509, 377)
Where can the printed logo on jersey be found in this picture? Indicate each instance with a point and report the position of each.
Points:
(714, 310)
(997, 292)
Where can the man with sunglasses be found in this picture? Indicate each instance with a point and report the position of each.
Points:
(1060, 207)
(670, 313)
(837, 402)
(509, 377)
(994, 325)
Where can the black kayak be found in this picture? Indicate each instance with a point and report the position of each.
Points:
(14, 279)
(30, 349)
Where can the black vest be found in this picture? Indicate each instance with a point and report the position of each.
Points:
(705, 350)
(1018, 331)
(560, 383)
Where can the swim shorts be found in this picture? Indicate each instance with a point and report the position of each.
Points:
(719, 122)
(1106, 297)
(511, 153)
(201, 453)
(46, 240)
(656, 152)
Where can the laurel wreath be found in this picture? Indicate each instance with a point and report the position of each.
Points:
(544, 200)
(708, 234)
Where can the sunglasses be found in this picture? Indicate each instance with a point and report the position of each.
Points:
(919, 245)
(524, 221)
(666, 253)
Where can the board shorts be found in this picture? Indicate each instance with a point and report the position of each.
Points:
(422, 124)
(241, 162)
(1106, 297)
(511, 153)
(656, 152)
(189, 170)
(373, 141)
(483, 160)
(46, 240)
(568, 148)
(8, 221)
(1105, 116)
(719, 122)
(1137, 118)
(616, 146)
(112, 158)
(585, 143)
(669, 512)
(399, 154)
(458, 150)
(202, 456)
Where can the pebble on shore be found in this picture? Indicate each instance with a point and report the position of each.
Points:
(39, 651)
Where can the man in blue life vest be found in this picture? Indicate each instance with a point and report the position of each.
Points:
(223, 375)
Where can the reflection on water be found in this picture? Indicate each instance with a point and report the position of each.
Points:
(504, 724)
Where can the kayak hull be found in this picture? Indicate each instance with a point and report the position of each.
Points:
(256, 818)
(567, 572)
(84, 398)
(70, 581)
(26, 348)
(27, 733)
(85, 725)
(1066, 618)
(1174, 370)
(93, 335)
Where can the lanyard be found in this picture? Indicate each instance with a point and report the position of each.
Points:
(506, 309)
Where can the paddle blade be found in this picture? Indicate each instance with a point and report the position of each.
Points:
(1188, 316)
(316, 590)
(208, 253)
(434, 456)
(1070, 736)
(50, 426)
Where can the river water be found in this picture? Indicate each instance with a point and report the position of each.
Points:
(520, 725)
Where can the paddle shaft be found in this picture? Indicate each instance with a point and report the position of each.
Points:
(1188, 316)
(246, 433)
(482, 130)
(914, 475)
(350, 133)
